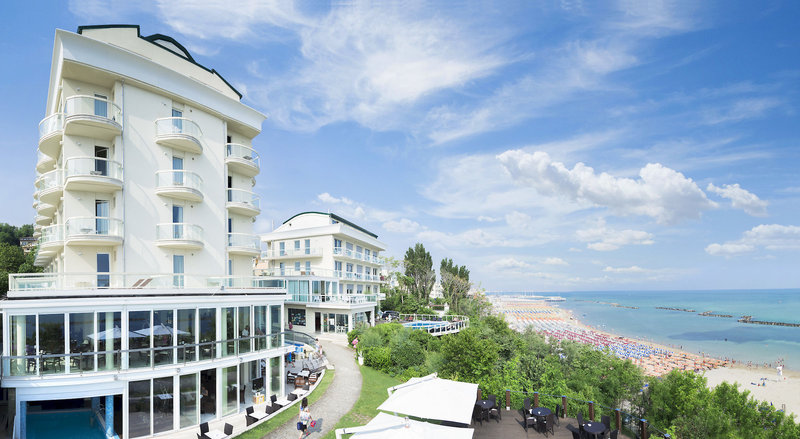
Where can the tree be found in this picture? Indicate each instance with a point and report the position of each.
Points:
(419, 274)
(455, 282)
(11, 258)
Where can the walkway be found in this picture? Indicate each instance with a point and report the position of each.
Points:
(341, 395)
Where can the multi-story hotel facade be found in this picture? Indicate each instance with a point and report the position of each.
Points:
(332, 269)
(147, 318)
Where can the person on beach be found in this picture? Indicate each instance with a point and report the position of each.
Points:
(780, 372)
(304, 419)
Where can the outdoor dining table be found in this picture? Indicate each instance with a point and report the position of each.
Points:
(485, 404)
(540, 413)
(594, 428)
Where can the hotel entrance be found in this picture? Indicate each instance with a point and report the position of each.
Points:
(90, 418)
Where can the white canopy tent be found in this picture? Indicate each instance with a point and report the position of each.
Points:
(385, 426)
(431, 397)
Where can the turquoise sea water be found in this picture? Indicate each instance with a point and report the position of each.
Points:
(717, 336)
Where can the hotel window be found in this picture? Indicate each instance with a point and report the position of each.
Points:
(308, 267)
(177, 271)
(349, 288)
(177, 166)
(177, 124)
(282, 246)
(337, 266)
(283, 269)
(297, 247)
(297, 267)
(349, 268)
(100, 105)
(177, 221)
(360, 289)
(103, 268)
(101, 160)
(308, 246)
(358, 250)
(337, 243)
(366, 253)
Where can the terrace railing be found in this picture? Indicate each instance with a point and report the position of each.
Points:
(451, 323)
(23, 282)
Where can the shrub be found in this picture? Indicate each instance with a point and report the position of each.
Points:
(377, 357)
(354, 334)
(406, 352)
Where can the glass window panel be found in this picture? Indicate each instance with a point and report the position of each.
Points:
(275, 375)
(275, 325)
(208, 395)
(81, 341)
(229, 331)
(23, 342)
(139, 339)
(260, 326)
(248, 375)
(163, 398)
(208, 333)
(51, 341)
(109, 340)
(244, 325)
(139, 408)
(230, 393)
(162, 331)
(186, 334)
(189, 397)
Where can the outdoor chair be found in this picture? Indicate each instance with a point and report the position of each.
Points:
(228, 430)
(557, 411)
(579, 417)
(291, 396)
(307, 387)
(203, 429)
(273, 400)
(614, 434)
(250, 420)
(527, 405)
(269, 409)
(495, 410)
(549, 422)
(477, 415)
(606, 420)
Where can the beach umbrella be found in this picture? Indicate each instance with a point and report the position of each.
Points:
(114, 333)
(160, 329)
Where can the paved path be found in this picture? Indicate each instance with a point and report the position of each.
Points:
(340, 396)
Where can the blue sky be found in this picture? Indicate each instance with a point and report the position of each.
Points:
(548, 146)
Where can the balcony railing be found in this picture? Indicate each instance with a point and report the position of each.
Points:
(291, 272)
(51, 125)
(51, 234)
(352, 254)
(349, 275)
(120, 360)
(93, 167)
(293, 253)
(244, 241)
(49, 186)
(243, 158)
(179, 179)
(44, 162)
(333, 298)
(179, 231)
(243, 202)
(179, 132)
(21, 282)
(93, 226)
(92, 116)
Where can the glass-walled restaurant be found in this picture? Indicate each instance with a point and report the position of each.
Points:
(201, 362)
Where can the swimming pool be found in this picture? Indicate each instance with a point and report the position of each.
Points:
(427, 325)
(72, 424)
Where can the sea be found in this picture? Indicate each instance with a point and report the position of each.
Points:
(719, 337)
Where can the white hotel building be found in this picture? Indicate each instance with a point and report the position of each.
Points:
(147, 319)
(332, 269)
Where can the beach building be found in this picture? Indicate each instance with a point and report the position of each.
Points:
(147, 318)
(332, 269)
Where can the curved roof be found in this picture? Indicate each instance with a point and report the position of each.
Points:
(333, 216)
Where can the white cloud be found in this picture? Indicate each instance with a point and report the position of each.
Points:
(330, 199)
(748, 108)
(631, 269)
(766, 236)
(660, 192)
(488, 219)
(601, 238)
(404, 225)
(508, 263)
(555, 261)
(740, 198)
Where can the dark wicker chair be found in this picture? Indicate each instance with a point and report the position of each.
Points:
(250, 420)
(495, 410)
(477, 414)
(614, 434)
(228, 430)
(203, 431)
(549, 424)
(557, 411)
(606, 420)
(291, 397)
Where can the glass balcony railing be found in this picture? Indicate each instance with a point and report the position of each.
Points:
(244, 153)
(93, 225)
(51, 234)
(21, 282)
(177, 126)
(293, 253)
(241, 196)
(348, 253)
(244, 240)
(50, 180)
(51, 125)
(179, 231)
(91, 106)
(179, 178)
(93, 167)
(291, 272)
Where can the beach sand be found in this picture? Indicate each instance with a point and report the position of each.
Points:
(777, 392)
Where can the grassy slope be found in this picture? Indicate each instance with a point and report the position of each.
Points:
(285, 416)
(373, 393)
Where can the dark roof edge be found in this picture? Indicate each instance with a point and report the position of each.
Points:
(337, 218)
(151, 39)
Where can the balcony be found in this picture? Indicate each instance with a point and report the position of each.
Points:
(43, 220)
(92, 174)
(91, 116)
(347, 299)
(50, 186)
(291, 272)
(242, 159)
(304, 253)
(179, 236)
(51, 242)
(141, 282)
(44, 162)
(51, 131)
(45, 209)
(243, 202)
(349, 275)
(244, 244)
(179, 133)
(94, 231)
(180, 184)
(352, 254)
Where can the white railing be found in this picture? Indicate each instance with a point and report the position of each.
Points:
(179, 178)
(93, 167)
(177, 126)
(244, 240)
(82, 105)
(52, 233)
(93, 225)
(237, 151)
(50, 180)
(50, 125)
(292, 272)
(435, 324)
(333, 298)
(137, 281)
(341, 251)
(179, 231)
(242, 196)
(349, 275)
(293, 253)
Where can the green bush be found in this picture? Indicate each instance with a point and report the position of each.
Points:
(406, 352)
(377, 357)
(354, 334)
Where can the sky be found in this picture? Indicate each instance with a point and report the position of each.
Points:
(546, 145)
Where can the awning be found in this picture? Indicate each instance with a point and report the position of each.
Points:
(431, 397)
(385, 426)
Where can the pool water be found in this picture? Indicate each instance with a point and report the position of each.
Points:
(80, 424)
(424, 325)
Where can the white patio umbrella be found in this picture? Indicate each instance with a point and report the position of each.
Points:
(386, 426)
(432, 397)
(114, 333)
(159, 329)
